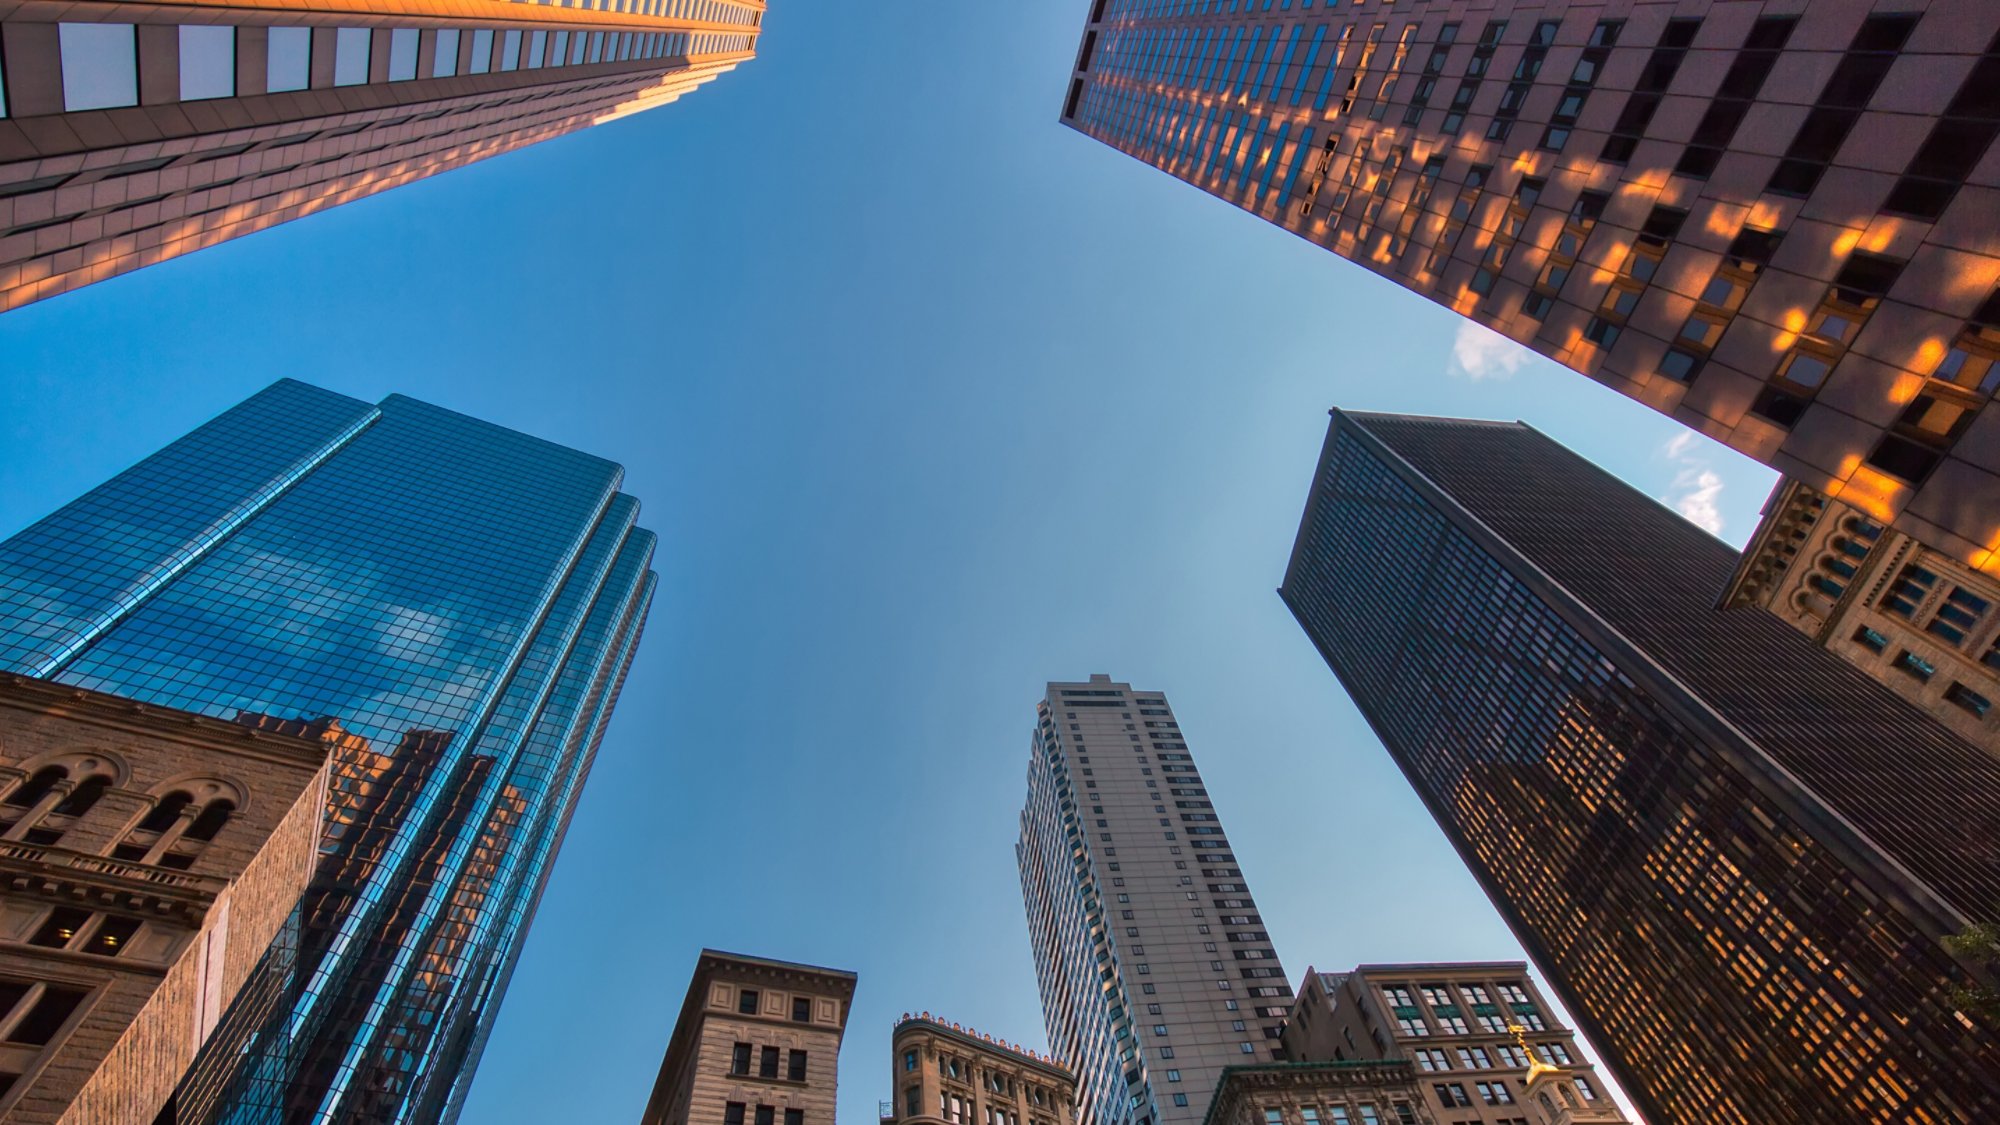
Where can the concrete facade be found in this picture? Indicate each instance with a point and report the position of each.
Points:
(150, 857)
(134, 132)
(1308, 1093)
(1154, 967)
(1484, 1043)
(1767, 219)
(1920, 623)
(757, 1043)
(945, 1074)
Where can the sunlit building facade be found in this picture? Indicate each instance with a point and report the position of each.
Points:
(1154, 966)
(134, 132)
(948, 1074)
(449, 608)
(1732, 854)
(1770, 221)
(1922, 623)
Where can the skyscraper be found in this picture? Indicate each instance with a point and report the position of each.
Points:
(1733, 855)
(1154, 967)
(1768, 222)
(449, 607)
(155, 129)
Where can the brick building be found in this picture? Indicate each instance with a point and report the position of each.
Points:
(149, 857)
(757, 1043)
(945, 1074)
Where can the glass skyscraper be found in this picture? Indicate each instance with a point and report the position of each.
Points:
(450, 607)
(1733, 854)
(1156, 973)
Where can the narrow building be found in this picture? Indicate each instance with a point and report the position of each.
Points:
(757, 1043)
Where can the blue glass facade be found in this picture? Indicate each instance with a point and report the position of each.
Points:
(1733, 855)
(453, 606)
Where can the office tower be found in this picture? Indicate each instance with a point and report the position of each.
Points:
(132, 132)
(757, 1043)
(1732, 854)
(449, 608)
(952, 1074)
(149, 856)
(1154, 967)
(1301, 1093)
(1768, 222)
(1923, 624)
(1483, 1040)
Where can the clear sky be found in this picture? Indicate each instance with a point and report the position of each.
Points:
(931, 400)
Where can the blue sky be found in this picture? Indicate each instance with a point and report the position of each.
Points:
(930, 400)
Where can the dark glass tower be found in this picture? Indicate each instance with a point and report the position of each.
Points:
(451, 606)
(1733, 854)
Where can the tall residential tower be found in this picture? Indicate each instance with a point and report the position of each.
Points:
(1770, 221)
(132, 132)
(1154, 967)
(449, 608)
(1733, 854)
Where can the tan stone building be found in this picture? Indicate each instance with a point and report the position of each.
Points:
(1372, 1092)
(953, 1075)
(1485, 1046)
(1920, 622)
(133, 132)
(149, 856)
(757, 1043)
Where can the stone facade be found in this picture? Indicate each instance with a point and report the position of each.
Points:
(944, 1074)
(757, 1043)
(1921, 623)
(1484, 1043)
(1318, 1093)
(149, 856)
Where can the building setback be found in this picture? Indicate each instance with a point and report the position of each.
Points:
(1733, 854)
(149, 857)
(1770, 221)
(1154, 967)
(951, 1075)
(757, 1042)
(1479, 1035)
(447, 606)
(135, 132)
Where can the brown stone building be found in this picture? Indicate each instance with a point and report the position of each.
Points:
(953, 1075)
(1922, 623)
(1319, 1093)
(1769, 219)
(134, 132)
(757, 1043)
(149, 856)
(1485, 1044)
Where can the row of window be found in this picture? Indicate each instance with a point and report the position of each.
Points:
(750, 1000)
(734, 1113)
(1503, 1056)
(32, 1013)
(1363, 1113)
(41, 809)
(767, 1063)
(100, 61)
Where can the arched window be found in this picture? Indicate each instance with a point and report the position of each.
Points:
(57, 821)
(176, 831)
(29, 793)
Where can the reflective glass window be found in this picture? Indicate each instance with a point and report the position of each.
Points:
(445, 63)
(287, 59)
(350, 56)
(403, 43)
(208, 62)
(100, 65)
(482, 52)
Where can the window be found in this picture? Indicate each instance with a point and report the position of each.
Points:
(795, 1117)
(1495, 1093)
(1173, 1076)
(795, 1066)
(100, 65)
(746, 1001)
(1554, 1053)
(913, 1101)
(739, 1059)
(1428, 1058)
(909, 1060)
(732, 1113)
(208, 62)
(767, 1062)
(1968, 700)
(350, 56)
(766, 1115)
(1180, 1099)
(802, 1009)
(1584, 1087)
(1451, 1094)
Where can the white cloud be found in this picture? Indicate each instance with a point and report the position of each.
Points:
(1478, 352)
(1697, 489)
